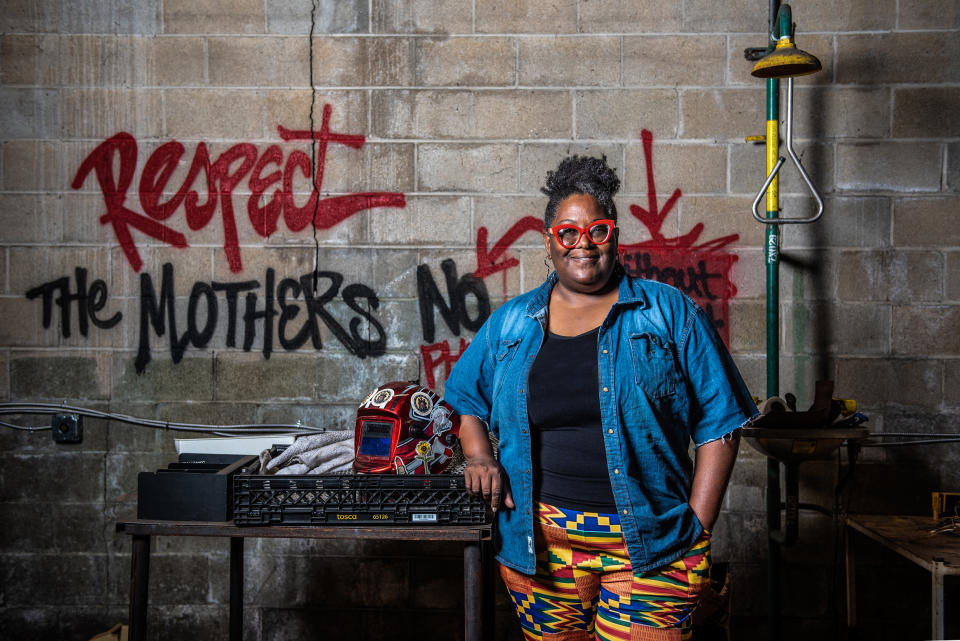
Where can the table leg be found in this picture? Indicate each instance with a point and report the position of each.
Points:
(851, 571)
(472, 592)
(936, 598)
(139, 581)
(489, 590)
(236, 588)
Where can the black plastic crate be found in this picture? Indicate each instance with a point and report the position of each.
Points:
(348, 499)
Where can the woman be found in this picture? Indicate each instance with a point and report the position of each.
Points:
(595, 383)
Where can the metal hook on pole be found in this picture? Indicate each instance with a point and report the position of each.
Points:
(780, 220)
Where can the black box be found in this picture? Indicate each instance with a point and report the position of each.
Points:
(198, 487)
(352, 499)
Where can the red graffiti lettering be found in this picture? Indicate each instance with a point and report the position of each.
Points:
(263, 171)
(438, 355)
(701, 271)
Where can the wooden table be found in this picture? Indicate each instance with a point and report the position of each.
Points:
(477, 562)
(910, 537)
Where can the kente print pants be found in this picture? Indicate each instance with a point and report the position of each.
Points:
(584, 588)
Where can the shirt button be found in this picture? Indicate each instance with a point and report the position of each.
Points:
(521, 391)
(526, 471)
(605, 352)
(624, 511)
(606, 389)
(616, 471)
(609, 431)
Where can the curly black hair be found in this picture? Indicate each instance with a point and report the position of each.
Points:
(581, 175)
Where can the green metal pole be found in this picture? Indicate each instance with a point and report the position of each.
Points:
(778, 14)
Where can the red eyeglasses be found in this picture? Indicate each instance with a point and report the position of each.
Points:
(569, 235)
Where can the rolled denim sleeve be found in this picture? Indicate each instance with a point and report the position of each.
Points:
(719, 400)
(468, 389)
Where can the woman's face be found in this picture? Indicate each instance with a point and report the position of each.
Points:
(587, 267)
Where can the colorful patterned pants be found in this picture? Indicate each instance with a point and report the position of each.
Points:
(584, 587)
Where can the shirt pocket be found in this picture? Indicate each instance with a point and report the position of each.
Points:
(506, 350)
(654, 367)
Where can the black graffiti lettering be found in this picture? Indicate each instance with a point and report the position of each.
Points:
(89, 301)
(232, 292)
(692, 280)
(251, 316)
(288, 313)
(455, 313)
(200, 338)
(152, 311)
(375, 347)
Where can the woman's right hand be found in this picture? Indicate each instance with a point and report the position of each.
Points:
(484, 476)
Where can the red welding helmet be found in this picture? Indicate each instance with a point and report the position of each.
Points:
(403, 428)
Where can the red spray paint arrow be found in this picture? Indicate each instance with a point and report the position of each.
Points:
(487, 258)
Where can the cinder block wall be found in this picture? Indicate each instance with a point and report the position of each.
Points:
(439, 119)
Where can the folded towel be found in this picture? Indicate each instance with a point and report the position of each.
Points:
(325, 453)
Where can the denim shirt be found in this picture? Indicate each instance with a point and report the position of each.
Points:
(665, 377)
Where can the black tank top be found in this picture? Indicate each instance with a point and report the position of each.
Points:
(569, 458)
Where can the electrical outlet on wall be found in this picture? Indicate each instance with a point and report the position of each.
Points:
(67, 428)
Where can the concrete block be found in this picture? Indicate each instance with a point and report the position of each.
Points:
(25, 219)
(846, 222)
(526, 16)
(889, 166)
(291, 109)
(951, 383)
(747, 325)
(250, 376)
(23, 324)
(862, 276)
(374, 167)
(472, 114)
(854, 112)
(569, 61)
(362, 61)
(214, 16)
(471, 62)
(672, 61)
(32, 165)
(344, 378)
(918, 14)
(190, 379)
(55, 376)
(925, 222)
(111, 16)
(499, 214)
(21, 59)
(29, 476)
(394, 272)
(915, 276)
(822, 327)
(51, 263)
(30, 16)
(953, 276)
(914, 57)
(748, 273)
(330, 16)
(721, 217)
(876, 382)
(259, 62)
(460, 167)
(202, 114)
(40, 578)
(378, 582)
(629, 15)
(600, 113)
(926, 330)
(30, 113)
(536, 159)
(738, 68)
(925, 112)
(694, 169)
(953, 167)
(136, 111)
(426, 220)
(448, 17)
(79, 527)
(699, 15)
(721, 113)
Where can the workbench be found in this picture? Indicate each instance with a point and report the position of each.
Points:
(477, 562)
(911, 538)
